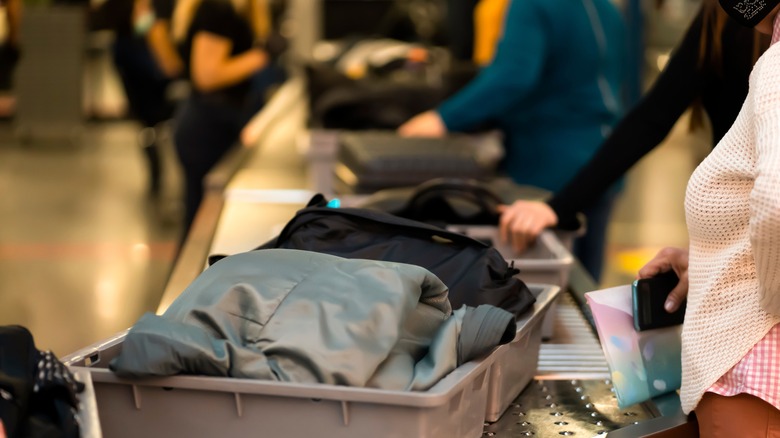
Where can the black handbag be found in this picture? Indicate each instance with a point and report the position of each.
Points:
(474, 272)
(37, 392)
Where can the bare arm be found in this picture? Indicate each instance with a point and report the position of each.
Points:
(213, 68)
(164, 51)
(14, 11)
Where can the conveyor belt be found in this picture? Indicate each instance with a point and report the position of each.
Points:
(555, 408)
(572, 394)
(575, 351)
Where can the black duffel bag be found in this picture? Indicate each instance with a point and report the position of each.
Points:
(474, 272)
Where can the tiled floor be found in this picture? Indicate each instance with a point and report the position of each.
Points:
(83, 250)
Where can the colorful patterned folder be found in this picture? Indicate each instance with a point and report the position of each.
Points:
(643, 364)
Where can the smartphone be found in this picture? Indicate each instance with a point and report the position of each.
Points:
(649, 296)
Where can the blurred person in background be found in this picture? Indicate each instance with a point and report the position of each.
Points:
(708, 71)
(9, 54)
(460, 28)
(223, 46)
(146, 60)
(552, 87)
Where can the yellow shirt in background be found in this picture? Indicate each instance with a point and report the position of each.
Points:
(489, 17)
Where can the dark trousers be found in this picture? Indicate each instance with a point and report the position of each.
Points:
(144, 83)
(9, 58)
(204, 132)
(145, 87)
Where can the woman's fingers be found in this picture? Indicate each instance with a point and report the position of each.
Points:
(670, 259)
(523, 221)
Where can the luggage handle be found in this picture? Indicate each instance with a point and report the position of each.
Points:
(470, 190)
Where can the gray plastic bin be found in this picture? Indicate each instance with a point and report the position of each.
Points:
(546, 262)
(196, 406)
(515, 364)
(321, 148)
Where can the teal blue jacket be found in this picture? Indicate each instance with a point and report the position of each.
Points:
(553, 88)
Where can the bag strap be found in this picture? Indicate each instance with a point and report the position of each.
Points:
(311, 214)
(468, 190)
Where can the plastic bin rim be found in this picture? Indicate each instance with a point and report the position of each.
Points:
(545, 298)
(438, 395)
(562, 256)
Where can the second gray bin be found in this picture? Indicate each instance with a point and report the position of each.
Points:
(547, 261)
(515, 364)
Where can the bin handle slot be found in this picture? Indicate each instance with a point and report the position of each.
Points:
(136, 397)
(345, 412)
(92, 359)
(479, 381)
(456, 401)
(239, 405)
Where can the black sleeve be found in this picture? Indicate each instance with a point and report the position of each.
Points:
(214, 16)
(641, 130)
(163, 9)
(112, 15)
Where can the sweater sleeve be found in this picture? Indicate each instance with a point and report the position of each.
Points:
(642, 129)
(514, 72)
(765, 203)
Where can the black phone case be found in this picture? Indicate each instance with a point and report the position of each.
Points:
(649, 296)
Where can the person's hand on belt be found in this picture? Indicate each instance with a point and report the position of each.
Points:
(522, 222)
(427, 124)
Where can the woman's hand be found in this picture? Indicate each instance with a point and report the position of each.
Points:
(260, 57)
(523, 221)
(427, 124)
(669, 259)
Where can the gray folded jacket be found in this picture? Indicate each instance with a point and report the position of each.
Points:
(306, 317)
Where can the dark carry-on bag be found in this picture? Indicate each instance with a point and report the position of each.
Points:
(474, 272)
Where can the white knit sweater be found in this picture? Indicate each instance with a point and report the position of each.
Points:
(733, 212)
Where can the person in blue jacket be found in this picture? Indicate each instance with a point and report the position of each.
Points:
(553, 88)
